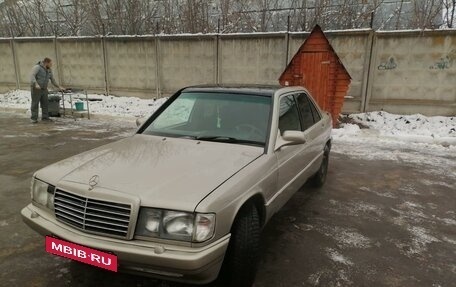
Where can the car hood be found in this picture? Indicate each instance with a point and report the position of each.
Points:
(161, 172)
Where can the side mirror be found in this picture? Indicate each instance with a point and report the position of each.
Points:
(140, 121)
(290, 138)
(294, 137)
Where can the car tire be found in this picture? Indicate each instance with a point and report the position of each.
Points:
(241, 258)
(319, 179)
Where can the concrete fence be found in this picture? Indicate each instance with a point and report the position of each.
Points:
(400, 72)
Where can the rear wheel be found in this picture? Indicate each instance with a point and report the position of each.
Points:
(241, 259)
(319, 179)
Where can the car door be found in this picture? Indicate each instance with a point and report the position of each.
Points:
(292, 160)
(313, 127)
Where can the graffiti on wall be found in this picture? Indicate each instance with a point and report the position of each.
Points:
(445, 62)
(388, 65)
(442, 64)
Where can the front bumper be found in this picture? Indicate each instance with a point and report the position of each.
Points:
(178, 263)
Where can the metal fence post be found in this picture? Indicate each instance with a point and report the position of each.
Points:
(217, 59)
(287, 42)
(58, 62)
(217, 54)
(105, 64)
(16, 64)
(157, 67)
(369, 78)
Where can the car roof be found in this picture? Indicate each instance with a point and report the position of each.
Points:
(263, 90)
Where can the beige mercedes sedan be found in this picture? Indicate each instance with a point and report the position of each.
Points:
(186, 197)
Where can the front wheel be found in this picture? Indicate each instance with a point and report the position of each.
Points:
(241, 259)
(319, 179)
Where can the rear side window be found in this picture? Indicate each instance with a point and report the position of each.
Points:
(305, 110)
(289, 115)
(316, 114)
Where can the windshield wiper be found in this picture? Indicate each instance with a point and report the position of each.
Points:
(226, 139)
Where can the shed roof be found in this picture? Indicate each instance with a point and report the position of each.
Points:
(316, 32)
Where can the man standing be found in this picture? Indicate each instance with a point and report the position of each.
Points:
(41, 74)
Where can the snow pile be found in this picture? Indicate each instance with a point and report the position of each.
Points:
(99, 104)
(414, 139)
(337, 257)
(417, 125)
(346, 130)
(122, 106)
(406, 128)
(18, 99)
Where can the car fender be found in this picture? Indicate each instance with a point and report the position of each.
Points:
(257, 180)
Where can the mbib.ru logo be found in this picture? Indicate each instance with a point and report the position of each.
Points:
(81, 253)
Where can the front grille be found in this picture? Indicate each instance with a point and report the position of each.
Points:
(91, 215)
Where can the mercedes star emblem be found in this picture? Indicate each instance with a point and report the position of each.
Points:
(93, 181)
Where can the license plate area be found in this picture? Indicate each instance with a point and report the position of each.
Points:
(81, 253)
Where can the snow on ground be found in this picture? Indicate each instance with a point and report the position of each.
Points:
(415, 139)
(369, 144)
(337, 257)
(409, 127)
(99, 104)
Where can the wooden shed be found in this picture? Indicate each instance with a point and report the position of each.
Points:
(317, 67)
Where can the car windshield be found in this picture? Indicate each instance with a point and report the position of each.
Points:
(223, 117)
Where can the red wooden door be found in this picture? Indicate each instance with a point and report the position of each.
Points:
(315, 67)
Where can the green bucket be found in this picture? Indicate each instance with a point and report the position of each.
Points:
(79, 106)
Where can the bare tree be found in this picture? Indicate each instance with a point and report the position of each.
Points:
(122, 17)
(449, 7)
(28, 18)
(71, 16)
(225, 11)
(95, 18)
(195, 16)
(130, 17)
(237, 16)
(425, 13)
(266, 10)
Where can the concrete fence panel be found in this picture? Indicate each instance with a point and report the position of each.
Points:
(132, 65)
(7, 69)
(82, 63)
(186, 61)
(414, 73)
(252, 60)
(28, 53)
(353, 50)
(399, 72)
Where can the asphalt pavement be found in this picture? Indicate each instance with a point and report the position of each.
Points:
(375, 222)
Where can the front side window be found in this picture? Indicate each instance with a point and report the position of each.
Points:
(289, 115)
(215, 116)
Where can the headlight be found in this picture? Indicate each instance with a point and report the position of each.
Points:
(149, 222)
(175, 225)
(43, 193)
(178, 225)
